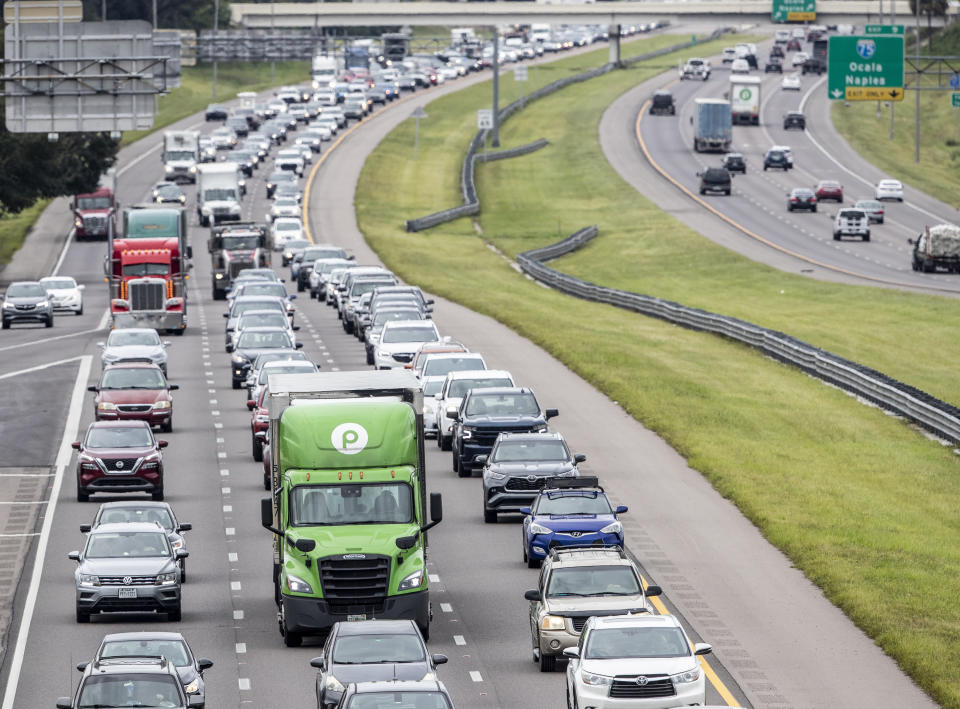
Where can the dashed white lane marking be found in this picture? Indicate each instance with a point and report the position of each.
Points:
(228, 508)
(223, 471)
(231, 531)
(434, 578)
(238, 615)
(214, 412)
(225, 490)
(244, 683)
(459, 640)
(214, 402)
(218, 425)
(222, 455)
(233, 556)
(34, 502)
(234, 585)
(241, 648)
(446, 608)
(475, 676)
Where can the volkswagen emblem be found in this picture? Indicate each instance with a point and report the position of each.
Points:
(119, 465)
(642, 681)
(129, 579)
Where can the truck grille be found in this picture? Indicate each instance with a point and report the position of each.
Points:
(355, 581)
(236, 265)
(147, 295)
(95, 224)
(578, 623)
(134, 580)
(630, 687)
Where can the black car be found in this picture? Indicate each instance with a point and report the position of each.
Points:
(662, 103)
(27, 301)
(421, 693)
(518, 467)
(794, 119)
(776, 51)
(254, 341)
(715, 180)
(168, 192)
(486, 413)
(801, 198)
(774, 66)
(777, 159)
(371, 651)
(735, 162)
(216, 112)
(171, 646)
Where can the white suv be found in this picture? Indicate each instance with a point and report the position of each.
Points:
(457, 384)
(635, 662)
(851, 222)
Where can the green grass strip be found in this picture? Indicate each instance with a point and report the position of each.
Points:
(15, 227)
(862, 503)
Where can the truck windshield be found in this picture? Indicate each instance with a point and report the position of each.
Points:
(369, 503)
(93, 203)
(232, 243)
(221, 195)
(181, 155)
(146, 269)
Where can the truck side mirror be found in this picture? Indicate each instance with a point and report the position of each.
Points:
(230, 347)
(94, 389)
(481, 459)
(184, 527)
(81, 666)
(84, 528)
(75, 445)
(436, 507)
(189, 252)
(204, 663)
(266, 512)
(317, 662)
(621, 509)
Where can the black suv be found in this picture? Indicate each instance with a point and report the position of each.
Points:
(735, 162)
(130, 682)
(794, 119)
(486, 413)
(662, 103)
(776, 158)
(715, 179)
(518, 467)
(774, 65)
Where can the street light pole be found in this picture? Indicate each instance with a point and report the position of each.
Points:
(216, 26)
(273, 38)
(916, 88)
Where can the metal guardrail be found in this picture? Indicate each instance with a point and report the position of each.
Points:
(902, 399)
(513, 152)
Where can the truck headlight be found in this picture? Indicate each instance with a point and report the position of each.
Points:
(333, 684)
(468, 432)
(552, 622)
(161, 405)
(613, 528)
(539, 428)
(89, 580)
(168, 579)
(106, 406)
(237, 359)
(691, 675)
(298, 585)
(412, 581)
(168, 168)
(193, 168)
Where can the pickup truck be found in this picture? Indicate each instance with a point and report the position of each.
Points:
(851, 222)
(696, 68)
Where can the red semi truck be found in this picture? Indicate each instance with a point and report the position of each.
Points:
(95, 214)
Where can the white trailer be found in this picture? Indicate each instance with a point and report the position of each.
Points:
(745, 100)
(218, 193)
(181, 153)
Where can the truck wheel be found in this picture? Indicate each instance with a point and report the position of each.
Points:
(548, 663)
(490, 516)
(290, 639)
(370, 355)
(183, 570)
(300, 286)
(266, 481)
(424, 631)
(84, 496)
(836, 236)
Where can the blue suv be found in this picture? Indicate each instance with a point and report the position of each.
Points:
(571, 512)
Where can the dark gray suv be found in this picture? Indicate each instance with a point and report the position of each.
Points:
(127, 567)
(27, 301)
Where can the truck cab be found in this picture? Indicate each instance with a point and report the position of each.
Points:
(234, 247)
(94, 214)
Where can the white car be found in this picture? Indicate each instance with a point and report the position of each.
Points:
(728, 55)
(440, 364)
(399, 339)
(263, 318)
(223, 138)
(284, 207)
(64, 293)
(328, 123)
(790, 82)
(455, 386)
(645, 657)
(798, 33)
(286, 229)
(888, 189)
(290, 159)
(740, 66)
(431, 387)
(799, 58)
(258, 379)
(781, 36)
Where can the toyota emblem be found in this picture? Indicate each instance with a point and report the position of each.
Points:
(129, 579)
(642, 681)
(119, 465)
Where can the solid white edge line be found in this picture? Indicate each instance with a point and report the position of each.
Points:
(63, 459)
(63, 251)
(39, 367)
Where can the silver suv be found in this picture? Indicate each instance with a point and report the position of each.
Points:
(575, 584)
(128, 567)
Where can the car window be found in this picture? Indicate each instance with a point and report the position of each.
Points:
(529, 450)
(459, 387)
(173, 650)
(120, 545)
(262, 320)
(439, 366)
(432, 387)
(371, 648)
(610, 643)
(129, 690)
(128, 338)
(263, 340)
(133, 378)
(502, 405)
(125, 437)
(26, 290)
(573, 505)
(58, 283)
(410, 333)
(593, 581)
(137, 513)
(398, 700)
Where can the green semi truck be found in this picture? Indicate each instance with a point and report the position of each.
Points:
(349, 502)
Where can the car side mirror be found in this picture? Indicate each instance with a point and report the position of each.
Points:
(196, 701)
(229, 347)
(533, 595)
(184, 527)
(84, 528)
(571, 652)
(430, 302)
(226, 315)
(551, 413)
(81, 666)
(702, 649)
(163, 444)
(64, 703)
(700, 174)
(296, 328)
(166, 343)
(910, 241)
(452, 414)
(305, 545)
(251, 404)
(318, 663)
(94, 389)
(101, 345)
(181, 554)
(650, 591)
(292, 296)
(439, 659)
(525, 510)
(579, 458)
(204, 663)
(481, 459)
(621, 509)
(75, 445)
(299, 345)
(73, 555)
(172, 387)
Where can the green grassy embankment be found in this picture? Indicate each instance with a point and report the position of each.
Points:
(859, 501)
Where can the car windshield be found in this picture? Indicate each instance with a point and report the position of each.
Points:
(370, 503)
(285, 202)
(93, 203)
(133, 338)
(549, 449)
(146, 269)
(287, 226)
(363, 287)
(370, 648)
(433, 386)
(573, 505)
(292, 356)
(169, 190)
(119, 545)
(173, 650)
(617, 643)
(59, 283)
(383, 316)
(263, 340)
(254, 319)
(240, 308)
(439, 366)
(136, 513)
(231, 243)
(314, 254)
(129, 690)
(851, 214)
(399, 700)
(502, 405)
(292, 369)
(460, 387)
(285, 176)
(133, 378)
(593, 581)
(277, 290)
(411, 333)
(26, 290)
(123, 437)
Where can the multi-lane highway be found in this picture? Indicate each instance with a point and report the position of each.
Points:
(778, 642)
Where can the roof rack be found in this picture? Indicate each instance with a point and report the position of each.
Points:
(133, 660)
(617, 551)
(583, 481)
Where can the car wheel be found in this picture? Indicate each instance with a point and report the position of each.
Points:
(168, 426)
(880, 221)
(446, 443)
(5, 325)
(727, 193)
(175, 615)
(813, 209)
(300, 286)
(82, 616)
(79, 312)
(463, 471)
(533, 563)
(548, 663)
(84, 496)
(236, 384)
(369, 357)
(490, 516)
(266, 481)
(49, 322)
(456, 462)
(257, 450)
(183, 570)
(157, 495)
(764, 168)
(836, 236)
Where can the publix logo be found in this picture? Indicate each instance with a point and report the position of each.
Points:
(349, 438)
(746, 94)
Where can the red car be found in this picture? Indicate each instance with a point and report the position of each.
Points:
(134, 391)
(259, 421)
(119, 456)
(829, 189)
(794, 45)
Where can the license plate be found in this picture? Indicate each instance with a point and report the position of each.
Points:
(127, 593)
(354, 616)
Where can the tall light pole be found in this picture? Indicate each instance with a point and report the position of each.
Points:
(216, 26)
(155, 14)
(273, 64)
(916, 121)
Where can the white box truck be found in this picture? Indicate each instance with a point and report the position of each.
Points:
(181, 153)
(218, 193)
(745, 100)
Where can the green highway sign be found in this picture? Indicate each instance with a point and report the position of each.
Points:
(794, 10)
(865, 68)
(955, 99)
(883, 29)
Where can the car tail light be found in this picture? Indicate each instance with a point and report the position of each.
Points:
(794, 199)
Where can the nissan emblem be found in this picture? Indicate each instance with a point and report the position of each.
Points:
(119, 465)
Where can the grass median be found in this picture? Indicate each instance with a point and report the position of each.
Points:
(862, 503)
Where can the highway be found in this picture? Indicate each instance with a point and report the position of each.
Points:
(763, 229)
(772, 629)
